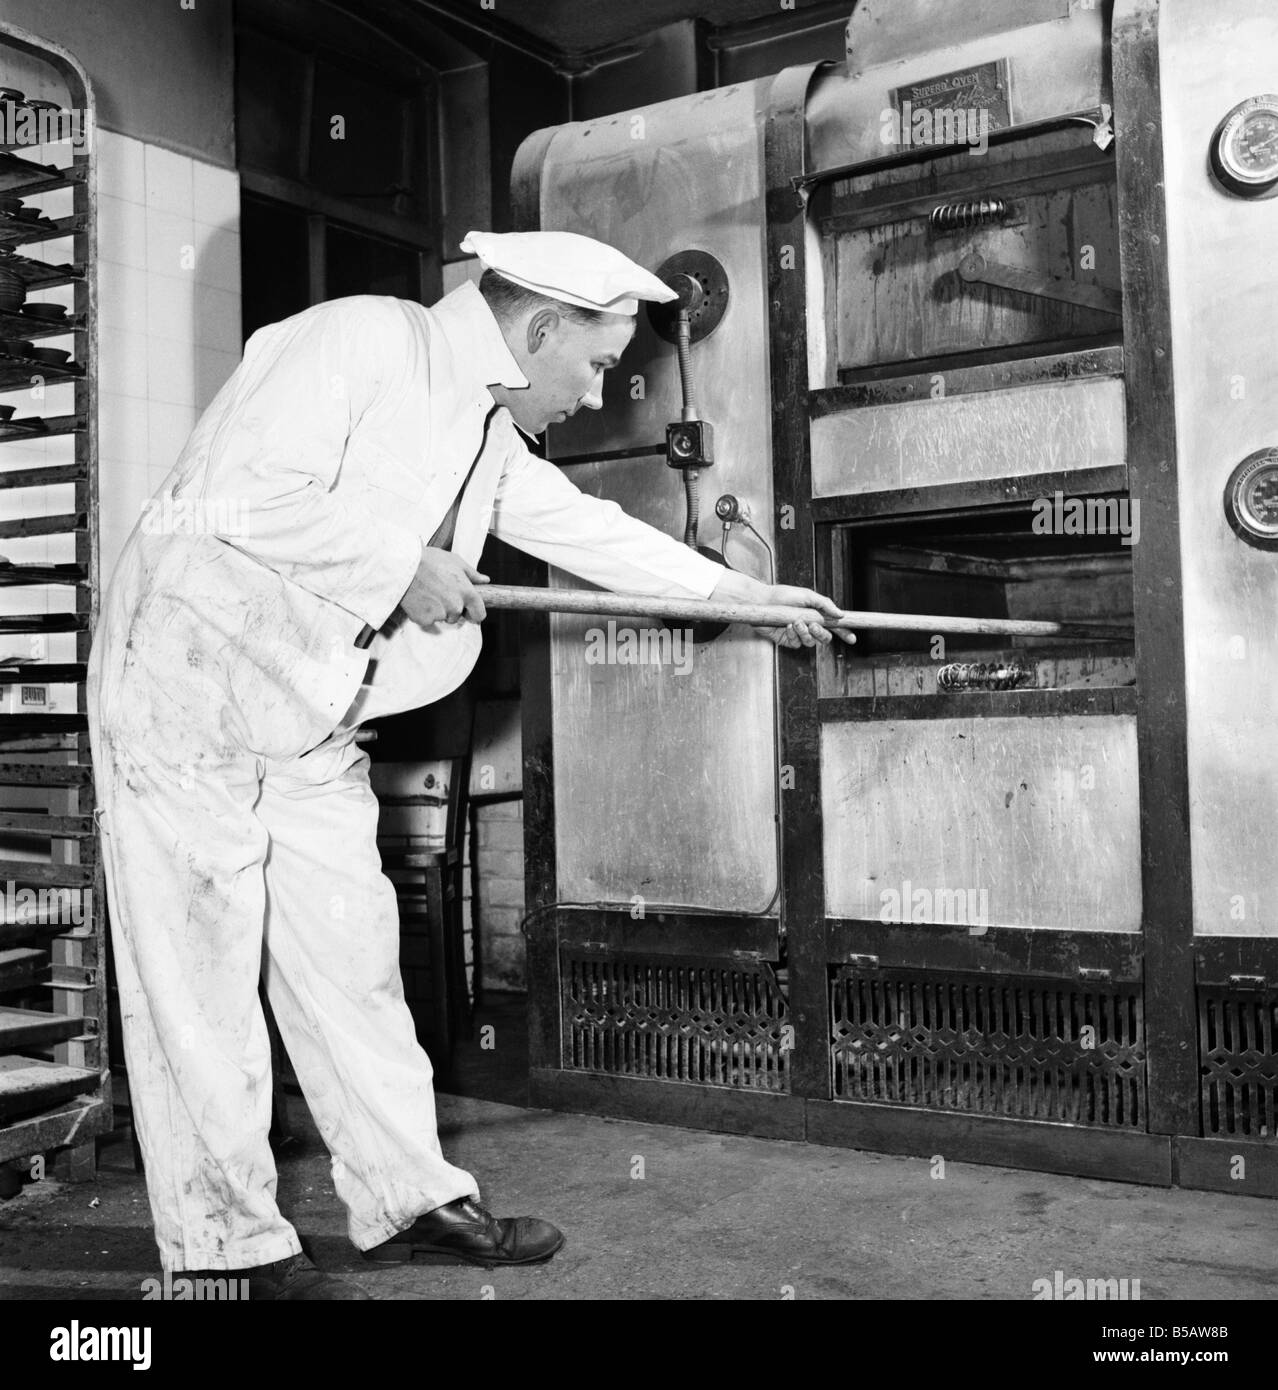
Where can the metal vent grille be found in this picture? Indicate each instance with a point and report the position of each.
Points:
(678, 1020)
(1238, 1062)
(991, 1045)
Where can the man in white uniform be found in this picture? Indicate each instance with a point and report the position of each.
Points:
(340, 485)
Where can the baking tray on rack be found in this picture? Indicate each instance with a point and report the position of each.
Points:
(15, 232)
(15, 324)
(19, 176)
(18, 371)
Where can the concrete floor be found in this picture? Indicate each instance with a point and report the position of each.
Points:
(712, 1217)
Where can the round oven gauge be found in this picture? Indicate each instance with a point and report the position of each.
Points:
(1245, 148)
(1251, 499)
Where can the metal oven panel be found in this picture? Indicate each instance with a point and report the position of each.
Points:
(1056, 66)
(1224, 286)
(993, 434)
(1040, 816)
(665, 784)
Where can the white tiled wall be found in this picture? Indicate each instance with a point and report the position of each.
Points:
(169, 321)
(168, 337)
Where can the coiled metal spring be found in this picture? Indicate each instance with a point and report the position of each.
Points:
(972, 212)
(982, 675)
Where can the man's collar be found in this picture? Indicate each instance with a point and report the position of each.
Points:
(477, 336)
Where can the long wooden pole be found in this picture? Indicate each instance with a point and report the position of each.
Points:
(600, 603)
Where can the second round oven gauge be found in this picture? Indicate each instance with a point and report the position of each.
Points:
(1244, 152)
(1251, 499)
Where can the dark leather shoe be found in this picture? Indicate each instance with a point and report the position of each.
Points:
(290, 1280)
(297, 1279)
(464, 1231)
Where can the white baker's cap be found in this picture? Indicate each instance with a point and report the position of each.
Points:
(575, 269)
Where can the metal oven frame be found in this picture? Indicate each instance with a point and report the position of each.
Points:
(1168, 970)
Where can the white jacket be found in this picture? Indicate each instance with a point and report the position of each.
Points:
(298, 510)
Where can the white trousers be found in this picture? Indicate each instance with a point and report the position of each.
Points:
(222, 867)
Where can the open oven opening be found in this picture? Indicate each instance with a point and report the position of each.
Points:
(1059, 559)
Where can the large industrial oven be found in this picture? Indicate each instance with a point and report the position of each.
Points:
(980, 322)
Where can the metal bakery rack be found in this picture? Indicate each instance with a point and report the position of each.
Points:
(54, 1079)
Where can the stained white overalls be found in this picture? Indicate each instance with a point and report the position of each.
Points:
(239, 828)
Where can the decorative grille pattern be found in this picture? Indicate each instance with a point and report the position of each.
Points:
(1238, 1062)
(706, 1022)
(991, 1045)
